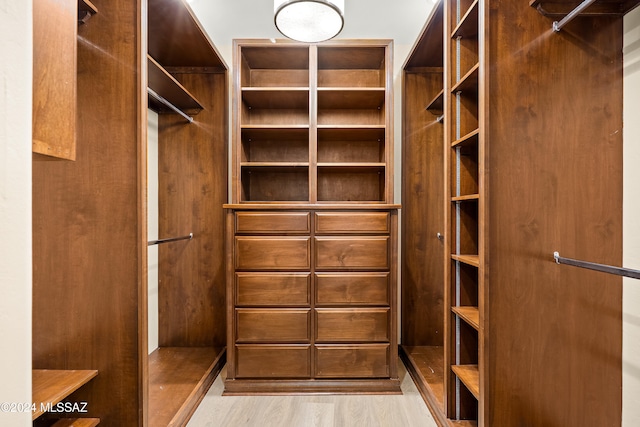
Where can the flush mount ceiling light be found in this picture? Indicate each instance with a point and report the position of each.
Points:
(310, 21)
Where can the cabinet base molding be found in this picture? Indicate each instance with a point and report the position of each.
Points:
(249, 387)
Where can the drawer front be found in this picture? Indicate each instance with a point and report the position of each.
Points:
(352, 325)
(272, 222)
(269, 361)
(272, 253)
(268, 289)
(353, 361)
(362, 252)
(352, 289)
(262, 326)
(352, 222)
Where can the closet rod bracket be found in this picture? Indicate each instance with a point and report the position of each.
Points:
(557, 25)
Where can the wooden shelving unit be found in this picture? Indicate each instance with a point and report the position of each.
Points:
(312, 220)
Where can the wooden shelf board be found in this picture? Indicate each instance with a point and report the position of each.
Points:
(468, 139)
(471, 315)
(468, 82)
(470, 377)
(558, 9)
(77, 422)
(165, 85)
(353, 133)
(179, 377)
(177, 39)
(426, 366)
(350, 57)
(53, 385)
(353, 127)
(472, 260)
(274, 164)
(468, 197)
(468, 25)
(276, 98)
(351, 98)
(275, 133)
(276, 57)
(268, 128)
(436, 106)
(351, 165)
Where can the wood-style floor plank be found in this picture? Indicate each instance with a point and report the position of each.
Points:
(406, 410)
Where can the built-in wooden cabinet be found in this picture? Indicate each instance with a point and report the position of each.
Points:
(312, 231)
(503, 120)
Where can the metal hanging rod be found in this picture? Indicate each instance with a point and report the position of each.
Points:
(440, 118)
(557, 26)
(173, 239)
(618, 271)
(168, 104)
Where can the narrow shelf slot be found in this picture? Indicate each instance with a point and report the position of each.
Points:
(77, 422)
(165, 85)
(468, 25)
(468, 82)
(53, 385)
(351, 98)
(473, 260)
(276, 97)
(471, 315)
(436, 106)
(469, 376)
(466, 198)
(468, 139)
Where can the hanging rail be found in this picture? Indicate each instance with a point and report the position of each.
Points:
(168, 104)
(173, 239)
(618, 271)
(557, 25)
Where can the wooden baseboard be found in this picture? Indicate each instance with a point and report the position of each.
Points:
(247, 387)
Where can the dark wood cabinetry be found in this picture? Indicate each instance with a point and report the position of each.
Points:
(497, 167)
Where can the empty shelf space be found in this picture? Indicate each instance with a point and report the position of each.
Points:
(468, 82)
(53, 385)
(165, 85)
(351, 98)
(272, 128)
(426, 366)
(77, 422)
(466, 198)
(469, 376)
(276, 97)
(471, 315)
(274, 164)
(436, 106)
(353, 165)
(468, 139)
(472, 260)
(179, 377)
(468, 25)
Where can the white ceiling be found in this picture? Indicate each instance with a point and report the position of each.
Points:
(400, 20)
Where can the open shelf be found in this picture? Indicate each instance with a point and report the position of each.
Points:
(178, 380)
(468, 82)
(274, 66)
(469, 376)
(274, 164)
(165, 85)
(467, 140)
(275, 184)
(472, 260)
(352, 66)
(77, 422)
(351, 98)
(276, 97)
(351, 183)
(466, 198)
(425, 364)
(471, 315)
(436, 106)
(53, 386)
(468, 25)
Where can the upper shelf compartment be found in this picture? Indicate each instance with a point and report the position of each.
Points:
(352, 66)
(468, 25)
(428, 50)
(176, 38)
(280, 65)
(165, 85)
(560, 8)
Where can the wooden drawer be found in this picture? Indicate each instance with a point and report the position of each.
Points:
(352, 289)
(272, 253)
(262, 326)
(272, 222)
(352, 325)
(271, 361)
(264, 289)
(352, 361)
(352, 222)
(361, 252)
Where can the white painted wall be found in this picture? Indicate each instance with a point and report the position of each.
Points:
(15, 208)
(631, 222)
(152, 226)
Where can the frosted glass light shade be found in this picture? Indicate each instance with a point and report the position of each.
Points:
(309, 21)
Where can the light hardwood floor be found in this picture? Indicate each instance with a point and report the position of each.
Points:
(406, 410)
